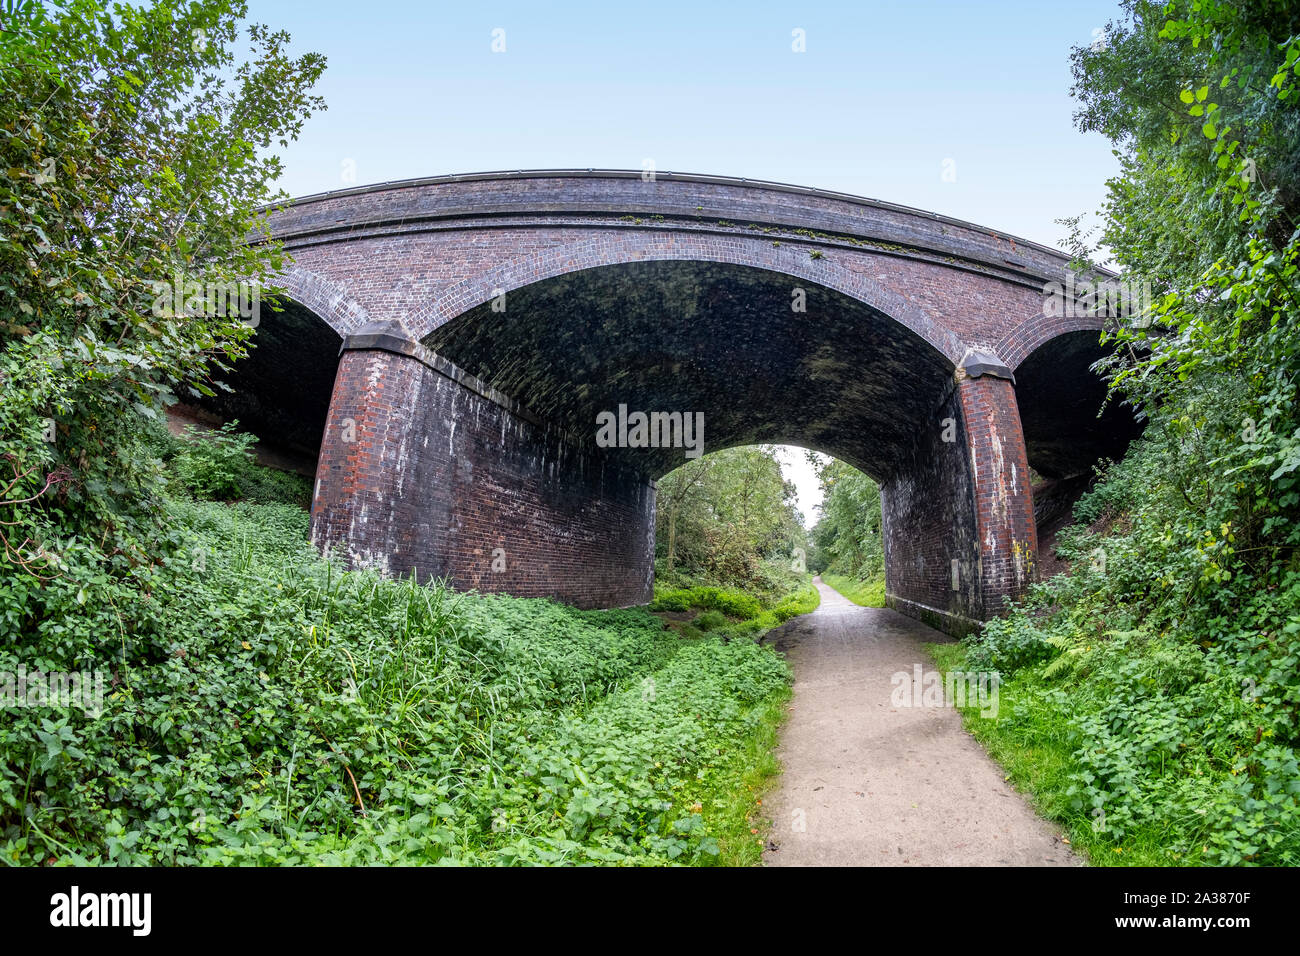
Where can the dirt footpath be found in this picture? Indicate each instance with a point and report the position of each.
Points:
(868, 783)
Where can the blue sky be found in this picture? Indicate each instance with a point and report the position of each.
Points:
(882, 96)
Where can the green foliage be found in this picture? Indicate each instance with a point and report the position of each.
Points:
(1006, 645)
(1150, 759)
(218, 465)
(802, 601)
(732, 603)
(735, 614)
(678, 599)
(720, 517)
(847, 537)
(136, 149)
(1169, 653)
(1199, 96)
(710, 620)
(262, 707)
(733, 796)
(785, 594)
(268, 486)
(1168, 656)
(209, 463)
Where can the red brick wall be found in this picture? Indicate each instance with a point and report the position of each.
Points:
(425, 251)
(439, 477)
(1004, 503)
(928, 517)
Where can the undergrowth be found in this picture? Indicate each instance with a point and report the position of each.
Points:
(261, 706)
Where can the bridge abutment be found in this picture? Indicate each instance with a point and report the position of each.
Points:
(425, 470)
(958, 514)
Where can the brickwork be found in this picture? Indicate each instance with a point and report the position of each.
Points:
(443, 472)
(426, 251)
(1004, 504)
(963, 497)
(928, 519)
(421, 474)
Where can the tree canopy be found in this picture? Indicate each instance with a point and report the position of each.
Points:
(721, 515)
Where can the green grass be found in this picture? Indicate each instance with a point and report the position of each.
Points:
(735, 797)
(803, 601)
(729, 611)
(865, 593)
(1034, 744)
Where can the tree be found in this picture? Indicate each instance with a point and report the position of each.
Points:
(676, 490)
(1203, 103)
(137, 156)
(724, 513)
(847, 537)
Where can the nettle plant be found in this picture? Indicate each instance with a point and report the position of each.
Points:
(214, 463)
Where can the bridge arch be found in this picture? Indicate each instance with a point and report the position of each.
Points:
(473, 475)
(792, 260)
(281, 390)
(459, 440)
(1068, 422)
(329, 300)
(1036, 331)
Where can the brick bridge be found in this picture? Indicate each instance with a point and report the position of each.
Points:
(447, 344)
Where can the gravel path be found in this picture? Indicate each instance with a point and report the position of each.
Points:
(868, 783)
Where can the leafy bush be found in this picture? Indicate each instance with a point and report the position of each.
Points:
(218, 465)
(176, 177)
(268, 486)
(212, 463)
(678, 599)
(777, 579)
(848, 540)
(1005, 645)
(1105, 497)
(732, 603)
(723, 516)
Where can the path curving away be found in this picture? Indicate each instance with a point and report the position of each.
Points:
(868, 783)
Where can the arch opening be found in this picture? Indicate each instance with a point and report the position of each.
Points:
(769, 358)
(1060, 397)
(281, 390)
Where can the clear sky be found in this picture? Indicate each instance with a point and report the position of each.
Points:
(961, 108)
